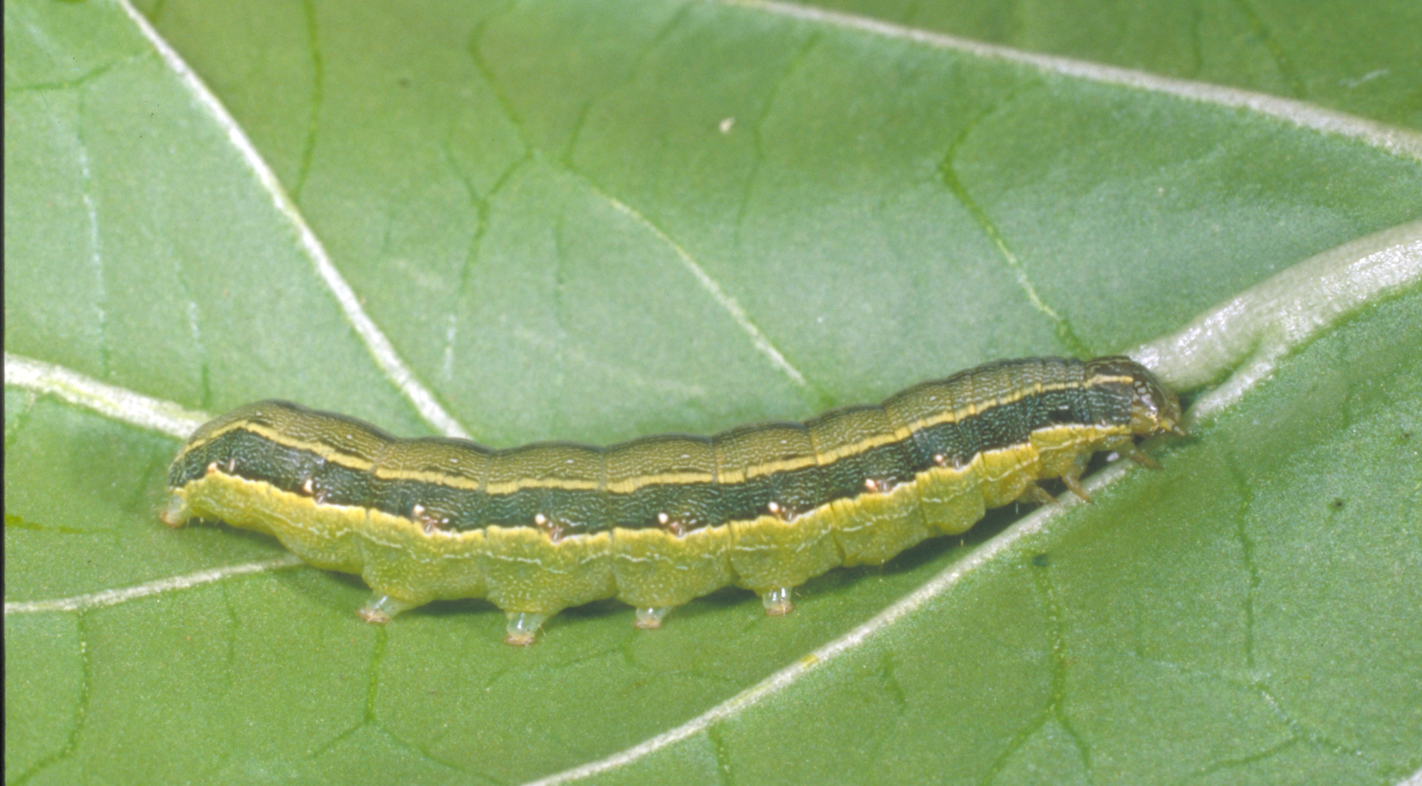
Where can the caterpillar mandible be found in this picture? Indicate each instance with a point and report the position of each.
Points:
(660, 520)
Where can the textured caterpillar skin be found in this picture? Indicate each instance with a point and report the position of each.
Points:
(660, 520)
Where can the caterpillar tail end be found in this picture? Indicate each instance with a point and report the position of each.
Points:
(777, 602)
(523, 626)
(175, 512)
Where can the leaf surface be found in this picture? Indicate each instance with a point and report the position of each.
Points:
(592, 221)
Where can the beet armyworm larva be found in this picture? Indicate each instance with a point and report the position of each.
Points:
(659, 520)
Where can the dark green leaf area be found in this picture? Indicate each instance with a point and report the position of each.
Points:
(81, 492)
(532, 199)
(1352, 57)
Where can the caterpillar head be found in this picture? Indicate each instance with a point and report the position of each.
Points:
(1155, 409)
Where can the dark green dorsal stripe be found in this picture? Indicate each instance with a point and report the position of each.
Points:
(862, 438)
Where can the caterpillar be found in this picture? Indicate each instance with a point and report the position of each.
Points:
(660, 520)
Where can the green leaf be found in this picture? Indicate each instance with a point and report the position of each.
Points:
(593, 221)
(1368, 63)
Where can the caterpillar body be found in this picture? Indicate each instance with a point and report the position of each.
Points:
(660, 520)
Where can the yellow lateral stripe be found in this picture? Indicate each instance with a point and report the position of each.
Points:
(629, 485)
(932, 474)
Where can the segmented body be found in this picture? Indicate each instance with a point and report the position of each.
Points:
(660, 520)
